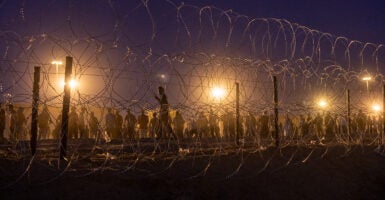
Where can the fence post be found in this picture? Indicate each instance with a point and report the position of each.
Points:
(276, 126)
(35, 109)
(383, 117)
(66, 106)
(237, 117)
(348, 114)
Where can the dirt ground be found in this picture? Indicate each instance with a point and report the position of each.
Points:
(291, 173)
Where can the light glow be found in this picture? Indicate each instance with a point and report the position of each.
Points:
(322, 103)
(376, 108)
(367, 78)
(57, 62)
(218, 92)
(72, 83)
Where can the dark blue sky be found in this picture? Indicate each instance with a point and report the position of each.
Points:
(362, 20)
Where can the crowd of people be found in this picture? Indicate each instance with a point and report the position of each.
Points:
(84, 124)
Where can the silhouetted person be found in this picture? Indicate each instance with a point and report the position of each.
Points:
(43, 120)
(73, 124)
(12, 123)
(318, 122)
(214, 125)
(251, 124)
(83, 130)
(361, 124)
(2, 123)
(303, 127)
(179, 124)
(310, 122)
(263, 124)
(57, 129)
(163, 113)
(353, 125)
(143, 124)
(287, 127)
(370, 125)
(154, 126)
(118, 125)
(94, 126)
(330, 124)
(110, 122)
(130, 121)
(228, 124)
(203, 125)
(231, 121)
(342, 125)
(193, 129)
(20, 122)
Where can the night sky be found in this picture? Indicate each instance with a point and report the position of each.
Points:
(122, 36)
(362, 20)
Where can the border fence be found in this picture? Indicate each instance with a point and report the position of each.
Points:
(234, 85)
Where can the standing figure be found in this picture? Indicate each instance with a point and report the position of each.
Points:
(192, 129)
(110, 122)
(2, 123)
(154, 126)
(228, 124)
(143, 124)
(83, 130)
(130, 122)
(330, 124)
(203, 125)
(20, 124)
(118, 125)
(251, 124)
(288, 127)
(44, 120)
(263, 124)
(303, 127)
(93, 124)
(361, 121)
(342, 125)
(57, 129)
(166, 129)
(179, 124)
(318, 124)
(231, 121)
(214, 125)
(353, 125)
(73, 124)
(12, 123)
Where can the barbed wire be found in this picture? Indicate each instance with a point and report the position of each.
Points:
(122, 56)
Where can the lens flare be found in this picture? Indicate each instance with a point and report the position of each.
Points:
(218, 92)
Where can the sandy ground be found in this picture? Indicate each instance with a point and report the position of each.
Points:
(337, 174)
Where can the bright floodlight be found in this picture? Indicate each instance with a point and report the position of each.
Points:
(367, 78)
(322, 103)
(73, 83)
(376, 108)
(218, 92)
(57, 62)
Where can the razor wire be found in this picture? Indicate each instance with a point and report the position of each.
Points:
(123, 50)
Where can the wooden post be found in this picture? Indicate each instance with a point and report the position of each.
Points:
(383, 117)
(237, 117)
(348, 114)
(276, 126)
(66, 108)
(35, 109)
